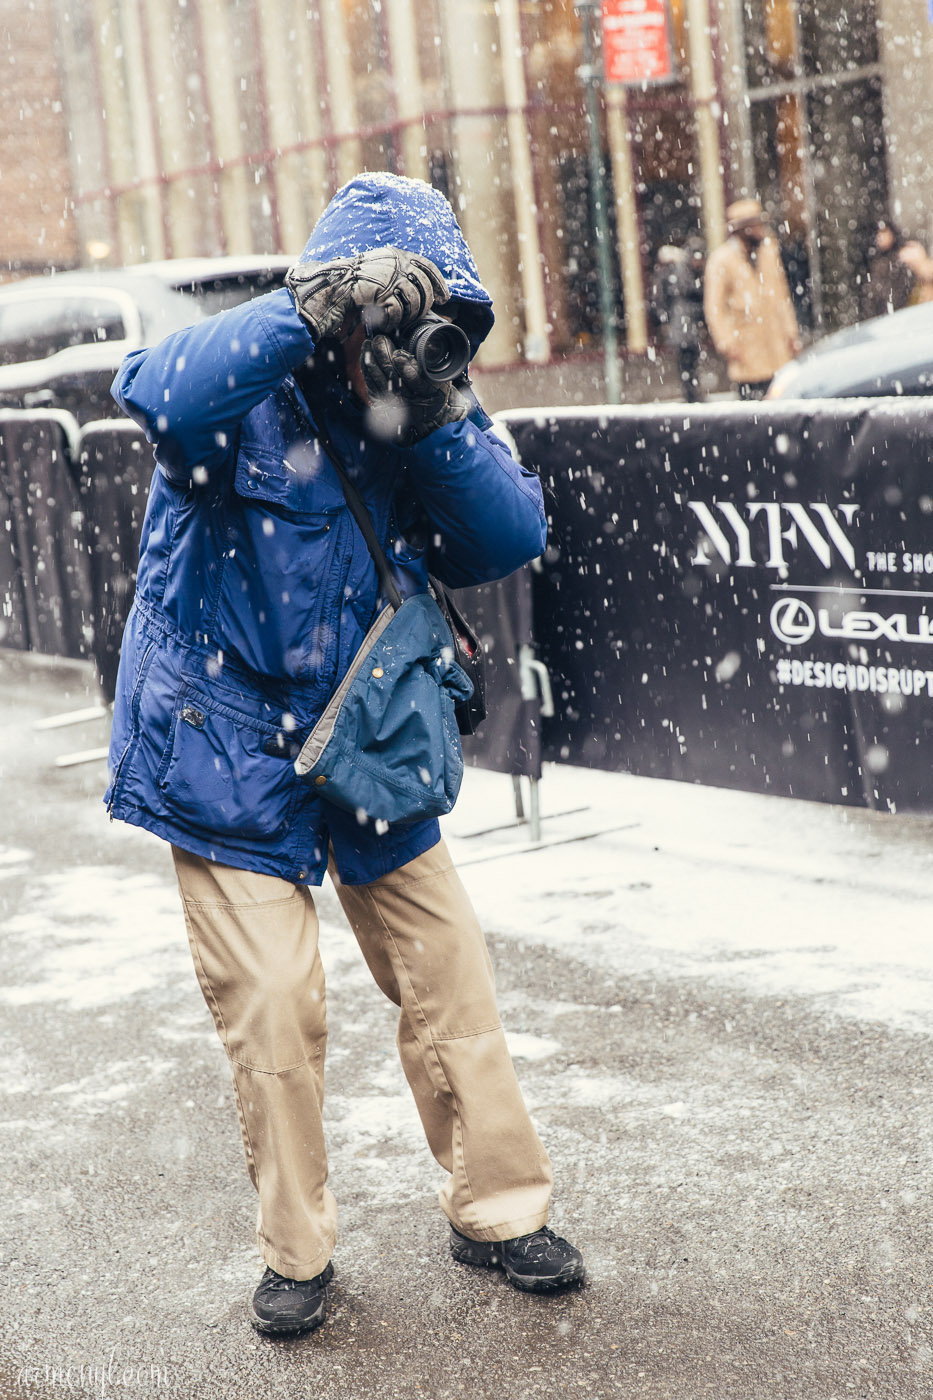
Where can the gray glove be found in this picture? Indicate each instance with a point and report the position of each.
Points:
(404, 406)
(404, 286)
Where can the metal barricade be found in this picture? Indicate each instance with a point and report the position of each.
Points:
(741, 594)
(44, 573)
(115, 468)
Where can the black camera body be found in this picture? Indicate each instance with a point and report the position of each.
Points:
(441, 349)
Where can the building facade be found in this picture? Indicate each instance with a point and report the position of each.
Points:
(38, 227)
(213, 126)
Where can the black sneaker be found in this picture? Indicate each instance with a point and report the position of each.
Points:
(538, 1263)
(283, 1307)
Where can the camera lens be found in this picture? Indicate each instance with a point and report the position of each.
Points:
(441, 349)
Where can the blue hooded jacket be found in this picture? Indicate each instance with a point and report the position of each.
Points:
(255, 587)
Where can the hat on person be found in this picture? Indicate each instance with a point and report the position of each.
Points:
(744, 213)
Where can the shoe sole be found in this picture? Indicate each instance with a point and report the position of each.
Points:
(278, 1329)
(485, 1257)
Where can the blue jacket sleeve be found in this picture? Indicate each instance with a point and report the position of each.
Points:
(191, 392)
(487, 510)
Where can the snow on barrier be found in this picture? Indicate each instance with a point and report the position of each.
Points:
(45, 591)
(741, 594)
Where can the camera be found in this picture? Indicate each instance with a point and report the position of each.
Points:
(441, 349)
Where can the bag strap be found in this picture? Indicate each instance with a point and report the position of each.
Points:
(354, 500)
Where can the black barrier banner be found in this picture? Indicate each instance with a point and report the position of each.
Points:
(742, 594)
(115, 467)
(44, 580)
(509, 740)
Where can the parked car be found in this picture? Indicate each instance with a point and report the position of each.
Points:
(217, 283)
(63, 336)
(886, 355)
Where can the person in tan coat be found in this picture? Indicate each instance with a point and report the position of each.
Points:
(747, 301)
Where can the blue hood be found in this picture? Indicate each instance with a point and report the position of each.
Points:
(391, 211)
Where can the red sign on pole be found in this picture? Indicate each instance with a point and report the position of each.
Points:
(636, 44)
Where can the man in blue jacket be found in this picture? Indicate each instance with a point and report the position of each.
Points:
(255, 590)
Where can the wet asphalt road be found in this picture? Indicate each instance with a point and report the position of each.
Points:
(749, 1176)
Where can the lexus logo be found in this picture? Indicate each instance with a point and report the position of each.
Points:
(792, 621)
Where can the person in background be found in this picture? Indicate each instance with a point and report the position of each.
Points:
(677, 309)
(899, 272)
(747, 301)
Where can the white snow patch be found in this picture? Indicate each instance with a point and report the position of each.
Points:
(14, 855)
(767, 894)
(371, 1117)
(530, 1047)
(98, 935)
(583, 1091)
(114, 1083)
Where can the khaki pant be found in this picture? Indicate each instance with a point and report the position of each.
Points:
(254, 939)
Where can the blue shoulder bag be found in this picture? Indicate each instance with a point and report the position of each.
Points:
(387, 747)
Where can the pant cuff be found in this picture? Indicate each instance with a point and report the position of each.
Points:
(507, 1230)
(304, 1269)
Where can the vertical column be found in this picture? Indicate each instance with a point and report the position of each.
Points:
(906, 42)
(147, 166)
(225, 119)
(705, 95)
(627, 230)
(731, 37)
(84, 131)
(407, 82)
(530, 263)
(315, 183)
(282, 79)
(482, 171)
(340, 86)
(183, 217)
(591, 75)
(116, 125)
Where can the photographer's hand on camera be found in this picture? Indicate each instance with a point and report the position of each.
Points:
(405, 406)
(329, 296)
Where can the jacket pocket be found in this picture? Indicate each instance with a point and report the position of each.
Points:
(219, 773)
(305, 485)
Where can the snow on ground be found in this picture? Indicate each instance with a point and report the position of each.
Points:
(94, 935)
(771, 895)
(642, 876)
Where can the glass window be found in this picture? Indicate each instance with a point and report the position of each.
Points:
(785, 39)
(560, 145)
(219, 293)
(664, 156)
(770, 41)
(850, 187)
(838, 37)
(818, 146)
(664, 146)
(35, 328)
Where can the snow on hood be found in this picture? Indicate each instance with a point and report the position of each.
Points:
(380, 210)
